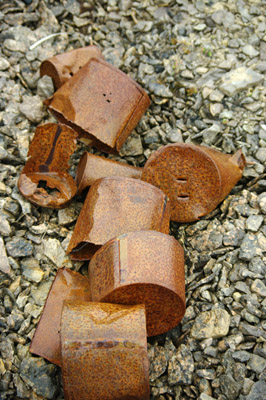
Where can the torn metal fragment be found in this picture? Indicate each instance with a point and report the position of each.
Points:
(195, 178)
(114, 206)
(44, 180)
(144, 267)
(104, 352)
(101, 103)
(67, 285)
(92, 167)
(63, 66)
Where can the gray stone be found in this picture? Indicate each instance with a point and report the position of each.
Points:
(249, 247)
(205, 396)
(5, 228)
(258, 287)
(181, 367)
(241, 355)
(19, 247)
(31, 270)
(210, 134)
(158, 361)
(250, 51)
(67, 215)
(257, 363)
(132, 146)
(45, 87)
(15, 45)
(160, 90)
(39, 376)
(4, 64)
(54, 251)
(174, 136)
(39, 294)
(258, 391)
(254, 222)
(32, 108)
(261, 154)
(229, 387)
(251, 330)
(238, 80)
(211, 324)
(262, 202)
(4, 263)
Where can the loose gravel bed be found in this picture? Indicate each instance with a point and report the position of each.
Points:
(203, 64)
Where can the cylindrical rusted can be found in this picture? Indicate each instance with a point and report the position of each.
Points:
(67, 285)
(114, 206)
(104, 352)
(92, 167)
(195, 178)
(144, 267)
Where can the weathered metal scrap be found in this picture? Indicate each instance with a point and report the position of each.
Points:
(68, 285)
(44, 180)
(104, 352)
(101, 103)
(144, 267)
(195, 178)
(63, 66)
(92, 167)
(114, 206)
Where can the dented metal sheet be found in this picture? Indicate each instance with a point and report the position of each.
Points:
(92, 167)
(195, 178)
(104, 352)
(44, 180)
(144, 267)
(114, 206)
(101, 103)
(68, 285)
(63, 66)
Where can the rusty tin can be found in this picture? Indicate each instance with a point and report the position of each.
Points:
(104, 352)
(114, 206)
(67, 285)
(92, 167)
(144, 267)
(44, 180)
(101, 103)
(63, 66)
(195, 178)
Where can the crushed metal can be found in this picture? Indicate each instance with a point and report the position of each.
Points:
(92, 167)
(144, 267)
(67, 285)
(104, 352)
(45, 180)
(101, 103)
(195, 178)
(114, 206)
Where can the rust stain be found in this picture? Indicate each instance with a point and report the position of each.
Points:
(114, 206)
(92, 167)
(104, 352)
(195, 178)
(44, 180)
(63, 67)
(67, 285)
(144, 267)
(105, 104)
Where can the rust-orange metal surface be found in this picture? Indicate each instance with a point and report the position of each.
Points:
(101, 103)
(195, 178)
(92, 167)
(104, 352)
(63, 66)
(114, 206)
(144, 267)
(68, 285)
(44, 180)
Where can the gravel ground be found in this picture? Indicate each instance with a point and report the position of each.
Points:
(203, 64)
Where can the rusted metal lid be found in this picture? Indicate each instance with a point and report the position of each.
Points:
(144, 267)
(114, 206)
(67, 285)
(63, 66)
(195, 178)
(104, 352)
(92, 167)
(44, 180)
(101, 103)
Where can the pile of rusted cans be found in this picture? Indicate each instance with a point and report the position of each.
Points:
(96, 328)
